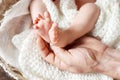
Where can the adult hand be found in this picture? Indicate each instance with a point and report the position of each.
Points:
(86, 55)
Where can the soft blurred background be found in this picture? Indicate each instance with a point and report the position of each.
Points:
(4, 75)
(5, 5)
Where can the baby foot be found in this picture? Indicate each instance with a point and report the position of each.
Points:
(57, 36)
(54, 33)
(37, 19)
(43, 25)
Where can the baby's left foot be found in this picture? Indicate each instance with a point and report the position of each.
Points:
(43, 25)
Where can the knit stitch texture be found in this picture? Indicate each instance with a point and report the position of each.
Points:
(19, 40)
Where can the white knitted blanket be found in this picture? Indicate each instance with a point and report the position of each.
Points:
(18, 46)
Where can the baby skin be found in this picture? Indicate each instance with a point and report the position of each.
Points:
(82, 23)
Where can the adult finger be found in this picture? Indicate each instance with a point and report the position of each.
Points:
(89, 41)
(44, 51)
(63, 54)
(42, 47)
(108, 66)
(114, 53)
(48, 55)
(74, 70)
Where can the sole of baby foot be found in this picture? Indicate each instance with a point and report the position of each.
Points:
(57, 36)
(53, 34)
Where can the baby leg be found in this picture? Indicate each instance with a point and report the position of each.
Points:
(83, 22)
(37, 7)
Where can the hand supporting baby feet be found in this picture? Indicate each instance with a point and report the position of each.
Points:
(50, 31)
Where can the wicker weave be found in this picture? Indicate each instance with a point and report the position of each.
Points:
(12, 71)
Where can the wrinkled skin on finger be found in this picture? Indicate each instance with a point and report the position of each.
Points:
(85, 55)
(108, 59)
